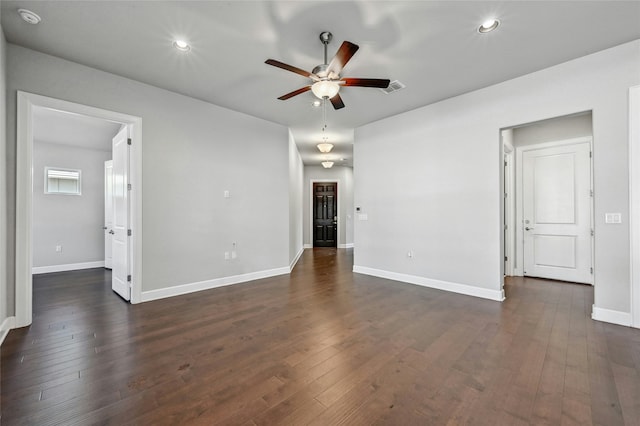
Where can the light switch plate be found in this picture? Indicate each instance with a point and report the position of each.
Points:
(613, 218)
(363, 216)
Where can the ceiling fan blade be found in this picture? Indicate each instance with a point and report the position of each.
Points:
(295, 93)
(336, 101)
(292, 69)
(346, 51)
(366, 82)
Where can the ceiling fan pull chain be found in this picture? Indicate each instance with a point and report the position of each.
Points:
(324, 114)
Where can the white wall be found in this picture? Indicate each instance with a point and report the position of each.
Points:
(556, 129)
(296, 176)
(441, 180)
(74, 222)
(6, 295)
(344, 177)
(192, 152)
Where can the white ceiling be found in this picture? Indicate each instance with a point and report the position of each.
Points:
(431, 46)
(51, 126)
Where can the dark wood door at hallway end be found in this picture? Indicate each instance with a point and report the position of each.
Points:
(325, 214)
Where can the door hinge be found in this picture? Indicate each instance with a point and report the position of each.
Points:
(592, 233)
(506, 227)
(591, 270)
(128, 278)
(128, 141)
(128, 187)
(591, 193)
(505, 258)
(590, 154)
(505, 164)
(506, 195)
(128, 232)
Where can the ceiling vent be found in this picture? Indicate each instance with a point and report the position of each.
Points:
(394, 86)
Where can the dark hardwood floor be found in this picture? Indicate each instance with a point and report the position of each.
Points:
(323, 346)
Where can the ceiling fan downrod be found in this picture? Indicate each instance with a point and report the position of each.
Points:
(325, 38)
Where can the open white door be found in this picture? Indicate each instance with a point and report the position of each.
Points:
(557, 212)
(120, 275)
(108, 214)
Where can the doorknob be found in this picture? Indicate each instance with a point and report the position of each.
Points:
(111, 232)
(527, 228)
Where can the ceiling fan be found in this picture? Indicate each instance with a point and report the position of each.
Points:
(326, 80)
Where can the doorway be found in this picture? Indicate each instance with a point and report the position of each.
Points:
(548, 200)
(68, 155)
(325, 214)
(24, 197)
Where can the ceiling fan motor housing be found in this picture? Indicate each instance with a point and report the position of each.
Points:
(322, 72)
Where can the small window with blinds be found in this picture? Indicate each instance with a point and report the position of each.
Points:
(62, 181)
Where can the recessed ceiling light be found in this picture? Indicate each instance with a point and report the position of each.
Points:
(29, 16)
(181, 45)
(488, 25)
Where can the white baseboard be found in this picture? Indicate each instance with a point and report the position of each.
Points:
(348, 245)
(209, 284)
(67, 267)
(468, 290)
(613, 317)
(8, 324)
(293, 263)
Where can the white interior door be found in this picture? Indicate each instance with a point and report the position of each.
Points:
(557, 212)
(108, 214)
(120, 281)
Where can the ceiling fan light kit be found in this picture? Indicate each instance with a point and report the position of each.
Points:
(325, 78)
(327, 164)
(325, 89)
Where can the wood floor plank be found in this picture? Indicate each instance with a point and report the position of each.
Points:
(321, 346)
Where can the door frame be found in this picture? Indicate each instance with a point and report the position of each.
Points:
(311, 182)
(508, 206)
(108, 195)
(518, 270)
(24, 194)
(634, 202)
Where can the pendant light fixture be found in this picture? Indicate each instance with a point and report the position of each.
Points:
(325, 147)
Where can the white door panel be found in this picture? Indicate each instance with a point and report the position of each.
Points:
(108, 214)
(557, 212)
(120, 248)
(554, 250)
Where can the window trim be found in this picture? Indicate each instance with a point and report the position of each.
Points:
(61, 169)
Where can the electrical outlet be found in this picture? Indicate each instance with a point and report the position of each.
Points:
(410, 254)
(226, 255)
(234, 254)
(58, 249)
